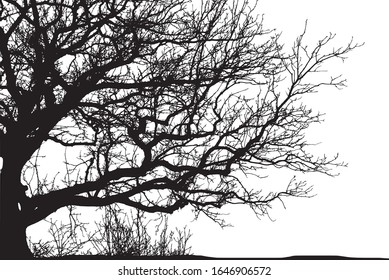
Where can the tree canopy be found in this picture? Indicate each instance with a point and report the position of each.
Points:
(165, 103)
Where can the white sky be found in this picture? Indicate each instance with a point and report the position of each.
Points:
(349, 214)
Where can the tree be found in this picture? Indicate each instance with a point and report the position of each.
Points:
(154, 105)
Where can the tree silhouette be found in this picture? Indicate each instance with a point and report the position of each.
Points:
(155, 105)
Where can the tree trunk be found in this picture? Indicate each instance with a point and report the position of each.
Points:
(13, 243)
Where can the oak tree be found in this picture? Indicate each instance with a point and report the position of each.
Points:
(165, 103)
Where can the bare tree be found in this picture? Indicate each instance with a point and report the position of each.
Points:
(154, 105)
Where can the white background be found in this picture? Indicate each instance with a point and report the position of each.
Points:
(349, 214)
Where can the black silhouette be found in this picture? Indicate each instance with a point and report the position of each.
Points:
(167, 105)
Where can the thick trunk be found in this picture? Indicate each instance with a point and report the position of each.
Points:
(13, 243)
